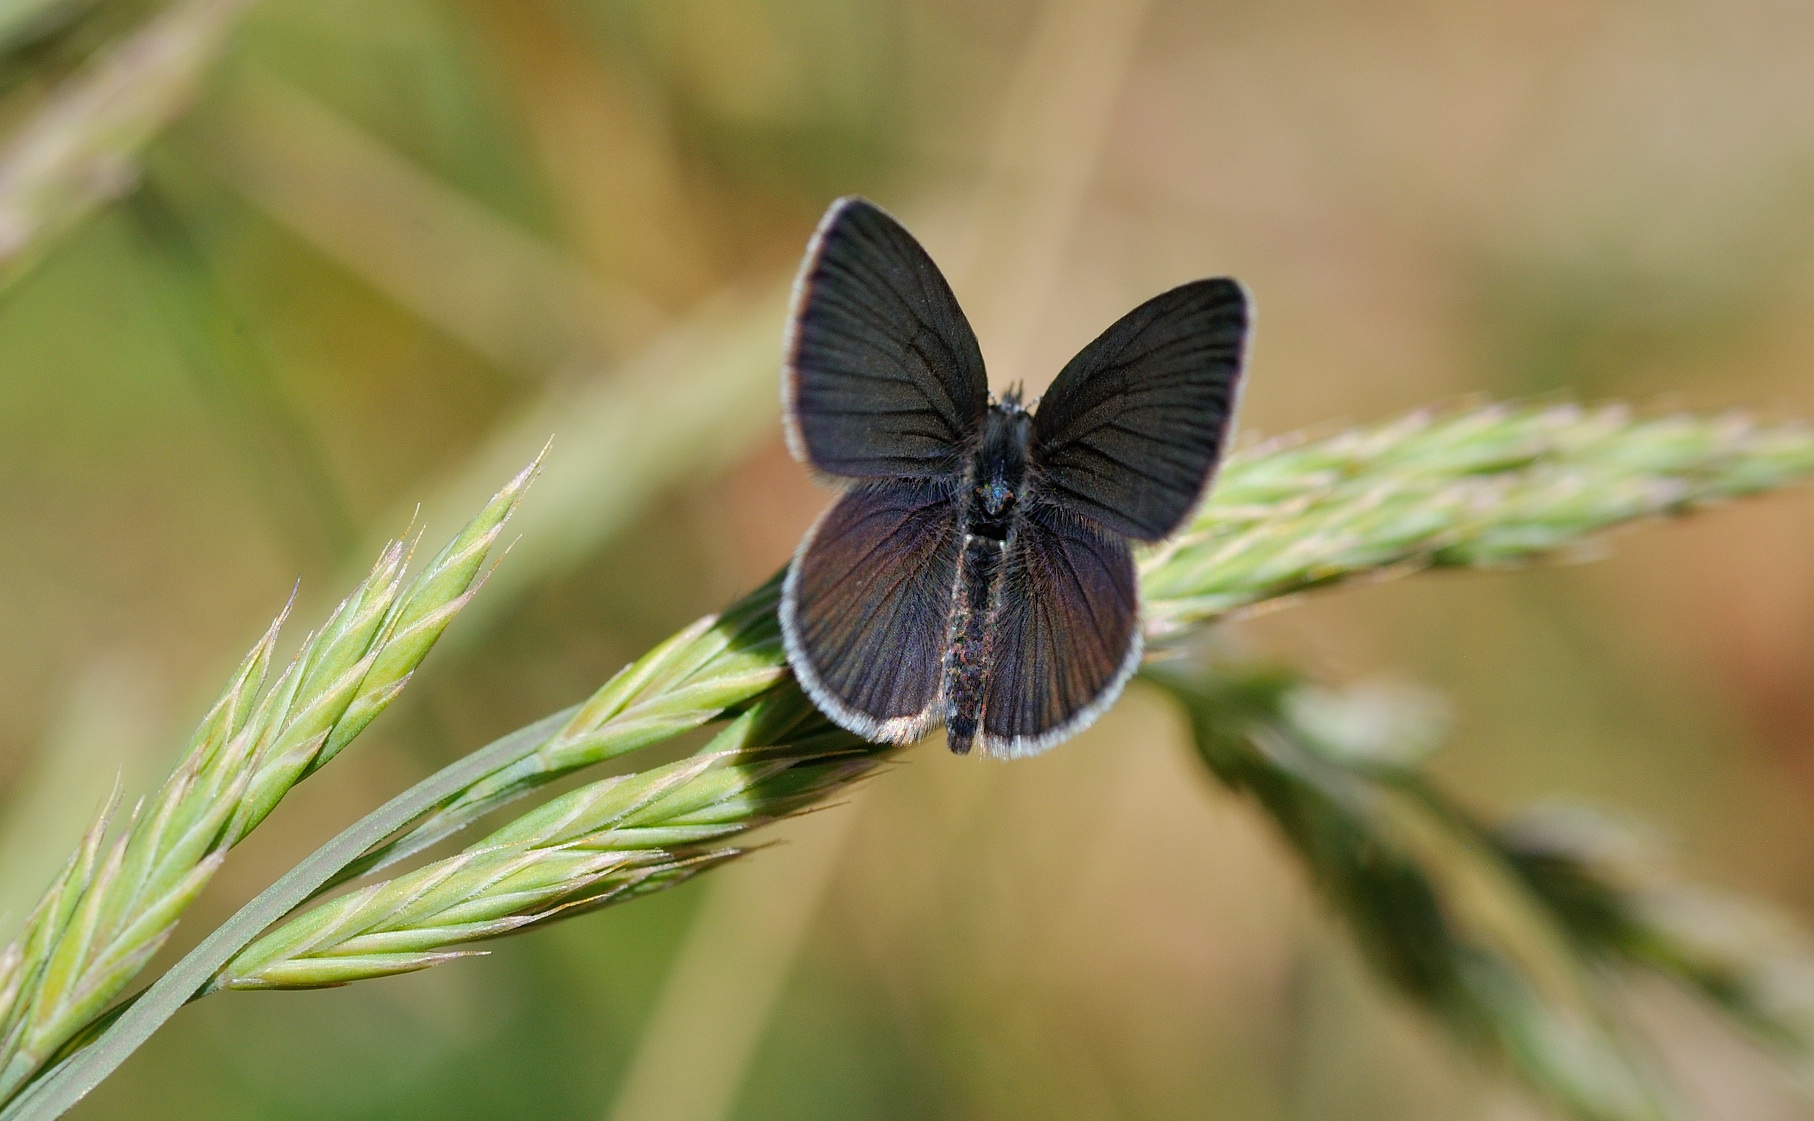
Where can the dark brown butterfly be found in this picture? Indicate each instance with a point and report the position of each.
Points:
(976, 569)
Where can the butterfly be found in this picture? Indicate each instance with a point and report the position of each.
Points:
(976, 569)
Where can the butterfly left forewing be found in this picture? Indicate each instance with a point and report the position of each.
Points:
(1065, 636)
(882, 377)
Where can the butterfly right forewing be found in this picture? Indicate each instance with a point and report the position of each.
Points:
(1132, 429)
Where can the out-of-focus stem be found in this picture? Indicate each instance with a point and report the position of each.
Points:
(81, 149)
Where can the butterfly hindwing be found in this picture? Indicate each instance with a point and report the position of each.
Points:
(883, 378)
(1133, 427)
(866, 604)
(1065, 635)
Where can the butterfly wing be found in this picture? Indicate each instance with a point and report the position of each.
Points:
(882, 378)
(1134, 426)
(1066, 634)
(866, 603)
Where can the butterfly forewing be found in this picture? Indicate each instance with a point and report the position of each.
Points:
(865, 606)
(1133, 427)
(883, 378)
(1066, 634)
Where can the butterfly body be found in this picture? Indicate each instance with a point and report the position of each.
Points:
(977, 569)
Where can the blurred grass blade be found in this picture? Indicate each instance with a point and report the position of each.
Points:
(512, 298)
(22, 21)
(1618, 903)
(615, 171)
(684, 407)
(110, 720)
(1401, 902)
(1520, 938)
(253, 413)
(693, 1051)
(689, 406)
(80, 150)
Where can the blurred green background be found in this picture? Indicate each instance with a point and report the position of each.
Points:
(385, 250)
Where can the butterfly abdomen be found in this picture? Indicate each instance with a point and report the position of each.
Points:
(991, 507)
(967, 644)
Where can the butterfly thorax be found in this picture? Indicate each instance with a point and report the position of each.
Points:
(996, 482)
(999, 471)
